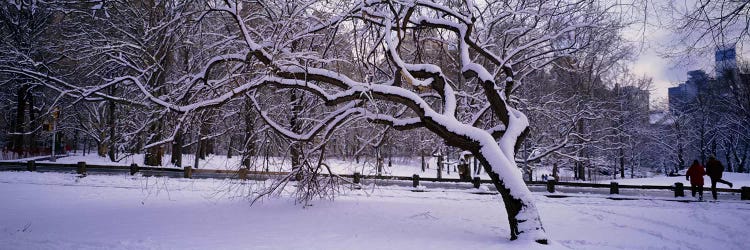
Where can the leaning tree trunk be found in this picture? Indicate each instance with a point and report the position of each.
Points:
(523, 216)
(498, 160)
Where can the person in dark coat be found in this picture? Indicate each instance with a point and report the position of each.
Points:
(714, 169)
(695, 175)
(463, 170)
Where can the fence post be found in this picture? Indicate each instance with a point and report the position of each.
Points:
(614, 188)
(415, 180)
(679, 189)
(242, 173)
(745, 193)
(551, 185)
(188, 172)
(81, 168)
(133, 168)
(31, 166)
(476, 182)
(356, 178)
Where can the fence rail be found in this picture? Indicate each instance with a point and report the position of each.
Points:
(188, 172)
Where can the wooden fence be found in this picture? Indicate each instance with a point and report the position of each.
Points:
(188, 172)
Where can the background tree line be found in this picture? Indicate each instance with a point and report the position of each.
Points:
(590, 115)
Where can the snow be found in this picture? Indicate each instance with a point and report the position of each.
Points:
(62, 211)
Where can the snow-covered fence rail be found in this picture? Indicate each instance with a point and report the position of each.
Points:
(80, 167)
(188, 172)
(615, 187)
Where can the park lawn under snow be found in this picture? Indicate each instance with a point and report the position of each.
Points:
(62, 211)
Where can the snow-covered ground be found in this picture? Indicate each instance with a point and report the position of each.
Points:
(62, 211)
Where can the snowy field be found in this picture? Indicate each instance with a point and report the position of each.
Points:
(61, 211)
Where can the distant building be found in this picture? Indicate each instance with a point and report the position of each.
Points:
(699, 83)
(725, 60)
(685, 93)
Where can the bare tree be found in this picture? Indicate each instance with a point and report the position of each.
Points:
(708, 24)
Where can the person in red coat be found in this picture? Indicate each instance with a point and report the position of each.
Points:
(695, 175)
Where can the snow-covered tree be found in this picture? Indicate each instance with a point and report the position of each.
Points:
(311, 68)
(493, 45)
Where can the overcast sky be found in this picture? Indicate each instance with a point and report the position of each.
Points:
(666, 71)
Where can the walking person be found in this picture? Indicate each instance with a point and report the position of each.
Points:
(695, 175)
(714, 169)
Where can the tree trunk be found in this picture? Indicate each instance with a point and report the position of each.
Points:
(622, 163)
(85, 145)
(20, 124)
(162, 52)
(554, 171)
(111, 125)
(205, 144)
(728, 158)
(197, 152)
(523, 216)
(423, 162)
(249, 148)
(581, 170)
(295, 149)
(101, 149)
(75, 142)
(176, 157)
(740, 160)
(32, 121)
(440, 167)
(154, 154)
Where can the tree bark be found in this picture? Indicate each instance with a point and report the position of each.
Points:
(622, 163)
(112, 130)
(32, 121)
(249, 146)
(295, 149)
(177, 144)
(20, 124)
(523, 216)
(206, 147)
